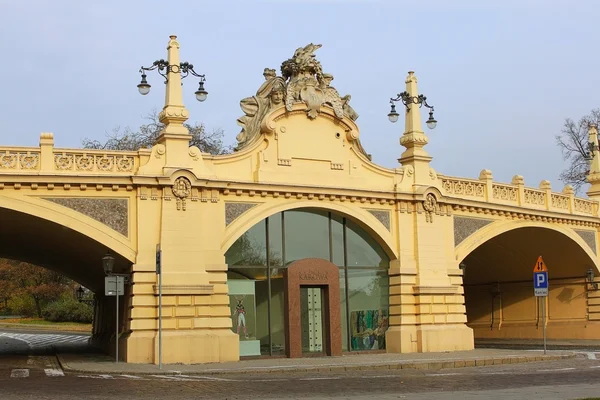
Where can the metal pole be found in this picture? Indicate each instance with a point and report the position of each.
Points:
(117, 325)
(160, 320)
(544, 320)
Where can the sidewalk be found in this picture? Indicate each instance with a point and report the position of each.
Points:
(551, 344)
(102, 364)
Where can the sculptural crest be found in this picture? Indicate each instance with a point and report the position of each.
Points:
(302, 80)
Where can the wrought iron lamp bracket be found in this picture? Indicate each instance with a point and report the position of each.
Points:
(407, 99)
(164, 68)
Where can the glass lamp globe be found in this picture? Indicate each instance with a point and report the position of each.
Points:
(144, 89)
(201, 94)
(431, 122)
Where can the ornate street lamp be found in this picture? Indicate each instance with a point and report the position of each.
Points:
(407, 99)
(590, 279)
(79, 292)
(108, 263)
(164, 68)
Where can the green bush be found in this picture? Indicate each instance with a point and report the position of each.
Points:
(22, 305)
(68, 310)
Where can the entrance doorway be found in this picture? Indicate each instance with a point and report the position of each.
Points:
(312, 303)
(312, 319)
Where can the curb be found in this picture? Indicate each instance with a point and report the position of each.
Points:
(425, 365)
(42, 328)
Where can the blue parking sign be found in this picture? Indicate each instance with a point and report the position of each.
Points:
(540, 283)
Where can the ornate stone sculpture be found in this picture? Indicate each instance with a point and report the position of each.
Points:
(269, 96)
(303, 81)
(181, 190)
(430, 207)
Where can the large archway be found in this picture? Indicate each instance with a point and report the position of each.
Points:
(66, 250)
(498, 283)
(258, 259)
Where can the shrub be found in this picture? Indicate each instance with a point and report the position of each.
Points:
(68, 310)
(22, 305)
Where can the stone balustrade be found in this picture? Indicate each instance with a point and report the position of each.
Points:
(516, 194)
(47, 159)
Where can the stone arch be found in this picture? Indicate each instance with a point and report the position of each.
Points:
(73, 220)
(362, 217)
(499, 227)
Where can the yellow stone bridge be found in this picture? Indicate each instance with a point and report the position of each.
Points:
(436, 261)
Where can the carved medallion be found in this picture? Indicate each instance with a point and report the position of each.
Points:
(182, 189)
(430, 207)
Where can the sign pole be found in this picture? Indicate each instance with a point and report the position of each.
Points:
(117, 325)
(159, 321)
(540, 290)
(159, 273)
(544, 320)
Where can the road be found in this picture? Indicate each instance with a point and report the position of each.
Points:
(27, 373)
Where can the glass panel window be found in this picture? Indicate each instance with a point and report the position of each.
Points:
(250, 248)
(306, 235)
(343, 314)
(363, 250)
(248, 303)
(275, 241)
(337, 240)
(369, 303)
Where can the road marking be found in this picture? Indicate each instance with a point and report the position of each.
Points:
(448, 374)
(173, 378)
(133, 377)
(210, 378)
(591, 356)
(324, 378)
(45, 339)
(555, 370)
(53, 372)
(19, 373)
(595, 366)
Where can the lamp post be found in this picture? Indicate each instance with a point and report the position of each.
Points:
(172, 66)
(108, 263)
(407, 99)
(80, 292)
(590, 279)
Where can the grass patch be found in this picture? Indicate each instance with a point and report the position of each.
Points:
(40, 322)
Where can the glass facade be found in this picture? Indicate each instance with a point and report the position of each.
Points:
(259, 257)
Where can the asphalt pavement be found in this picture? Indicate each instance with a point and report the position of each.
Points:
(29, 369)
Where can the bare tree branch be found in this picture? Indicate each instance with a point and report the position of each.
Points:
(573, 141)
(147, 135)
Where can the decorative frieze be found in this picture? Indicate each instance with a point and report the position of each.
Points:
(465, 227)
(111, 212)
(589, 237)
(234, 209)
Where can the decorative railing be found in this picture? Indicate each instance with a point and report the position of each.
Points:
(516, 194)
(19, 159)
(94, 161)
(463, 187)
(47, 159)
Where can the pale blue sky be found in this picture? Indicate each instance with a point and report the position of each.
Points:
(502, 75)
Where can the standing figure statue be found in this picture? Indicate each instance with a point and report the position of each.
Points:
(240, 311)
(269, 96)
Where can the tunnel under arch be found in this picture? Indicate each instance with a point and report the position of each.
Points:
(39, 240)
(498, 284)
